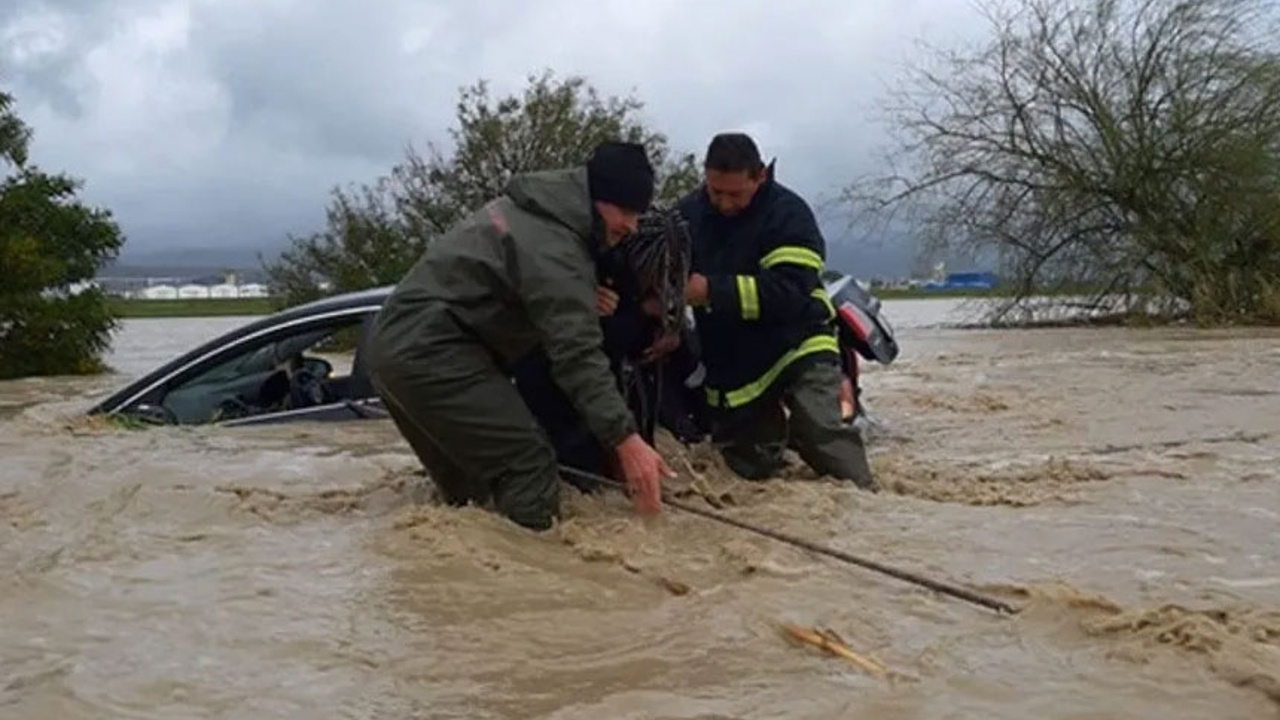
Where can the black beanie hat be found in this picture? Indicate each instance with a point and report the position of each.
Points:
(620, 173)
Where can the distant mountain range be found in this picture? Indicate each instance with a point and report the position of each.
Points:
(190, 264)
(894, 257)
(230, 256)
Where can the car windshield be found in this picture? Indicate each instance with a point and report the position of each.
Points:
(263, 359)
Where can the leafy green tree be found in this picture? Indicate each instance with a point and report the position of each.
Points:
(1123, 150)
(374, 233)
(51, 322)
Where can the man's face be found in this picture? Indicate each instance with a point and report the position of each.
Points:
(619, 222)
(731, 192)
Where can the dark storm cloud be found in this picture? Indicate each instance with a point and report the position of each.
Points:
(211, 123)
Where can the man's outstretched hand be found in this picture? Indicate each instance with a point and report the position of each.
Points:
(643, 468)
(696, 291)
(848, 404)
(606, 301)
(662, 347)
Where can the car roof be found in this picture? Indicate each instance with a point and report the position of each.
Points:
(336, 302)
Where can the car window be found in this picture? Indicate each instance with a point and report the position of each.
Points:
(261, 358)
(278, 373)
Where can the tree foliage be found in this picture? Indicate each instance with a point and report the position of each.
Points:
(1130, 147)
(50, 245)
(374, 233)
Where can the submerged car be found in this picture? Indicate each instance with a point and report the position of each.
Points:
(273, 369)
(307, 363)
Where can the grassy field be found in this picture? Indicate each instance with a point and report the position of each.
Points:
(190, 308)
(919, 294)
(997, 292)
(263, 306)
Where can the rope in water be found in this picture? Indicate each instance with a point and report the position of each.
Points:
(935, 585)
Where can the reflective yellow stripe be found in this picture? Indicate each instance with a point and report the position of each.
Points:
(757, 387)
(821, 295)
(748, 297)
(795, 255)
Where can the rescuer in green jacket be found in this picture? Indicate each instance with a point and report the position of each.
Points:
(764, 321)
(515, 276)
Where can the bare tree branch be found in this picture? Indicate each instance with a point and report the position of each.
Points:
(1110, 144)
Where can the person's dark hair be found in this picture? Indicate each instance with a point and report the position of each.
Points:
(734, 152)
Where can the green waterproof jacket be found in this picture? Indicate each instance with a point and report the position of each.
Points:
(516, 274)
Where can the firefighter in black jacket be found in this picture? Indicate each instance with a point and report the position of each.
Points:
(764, 321)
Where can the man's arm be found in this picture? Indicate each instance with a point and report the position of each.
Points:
(788, 274)
(558, 288)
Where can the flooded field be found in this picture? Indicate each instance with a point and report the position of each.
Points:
(1123, 486)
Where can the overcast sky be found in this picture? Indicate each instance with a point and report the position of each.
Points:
(226, 122)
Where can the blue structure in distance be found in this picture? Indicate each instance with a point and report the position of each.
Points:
(964, 281)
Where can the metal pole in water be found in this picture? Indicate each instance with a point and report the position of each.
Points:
(935, 585)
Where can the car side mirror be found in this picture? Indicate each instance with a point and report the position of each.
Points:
(154, 414)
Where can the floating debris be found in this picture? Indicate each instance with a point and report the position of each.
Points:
(675, 587)
(829, 642)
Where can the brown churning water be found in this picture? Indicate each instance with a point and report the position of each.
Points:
(1121, 485)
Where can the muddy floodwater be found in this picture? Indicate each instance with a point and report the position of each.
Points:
(1121, 486)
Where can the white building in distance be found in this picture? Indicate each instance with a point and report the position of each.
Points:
(193, 292)
(253, 290)
(224, 291)
(159, 292)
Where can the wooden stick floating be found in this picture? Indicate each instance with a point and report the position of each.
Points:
(832, 644)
